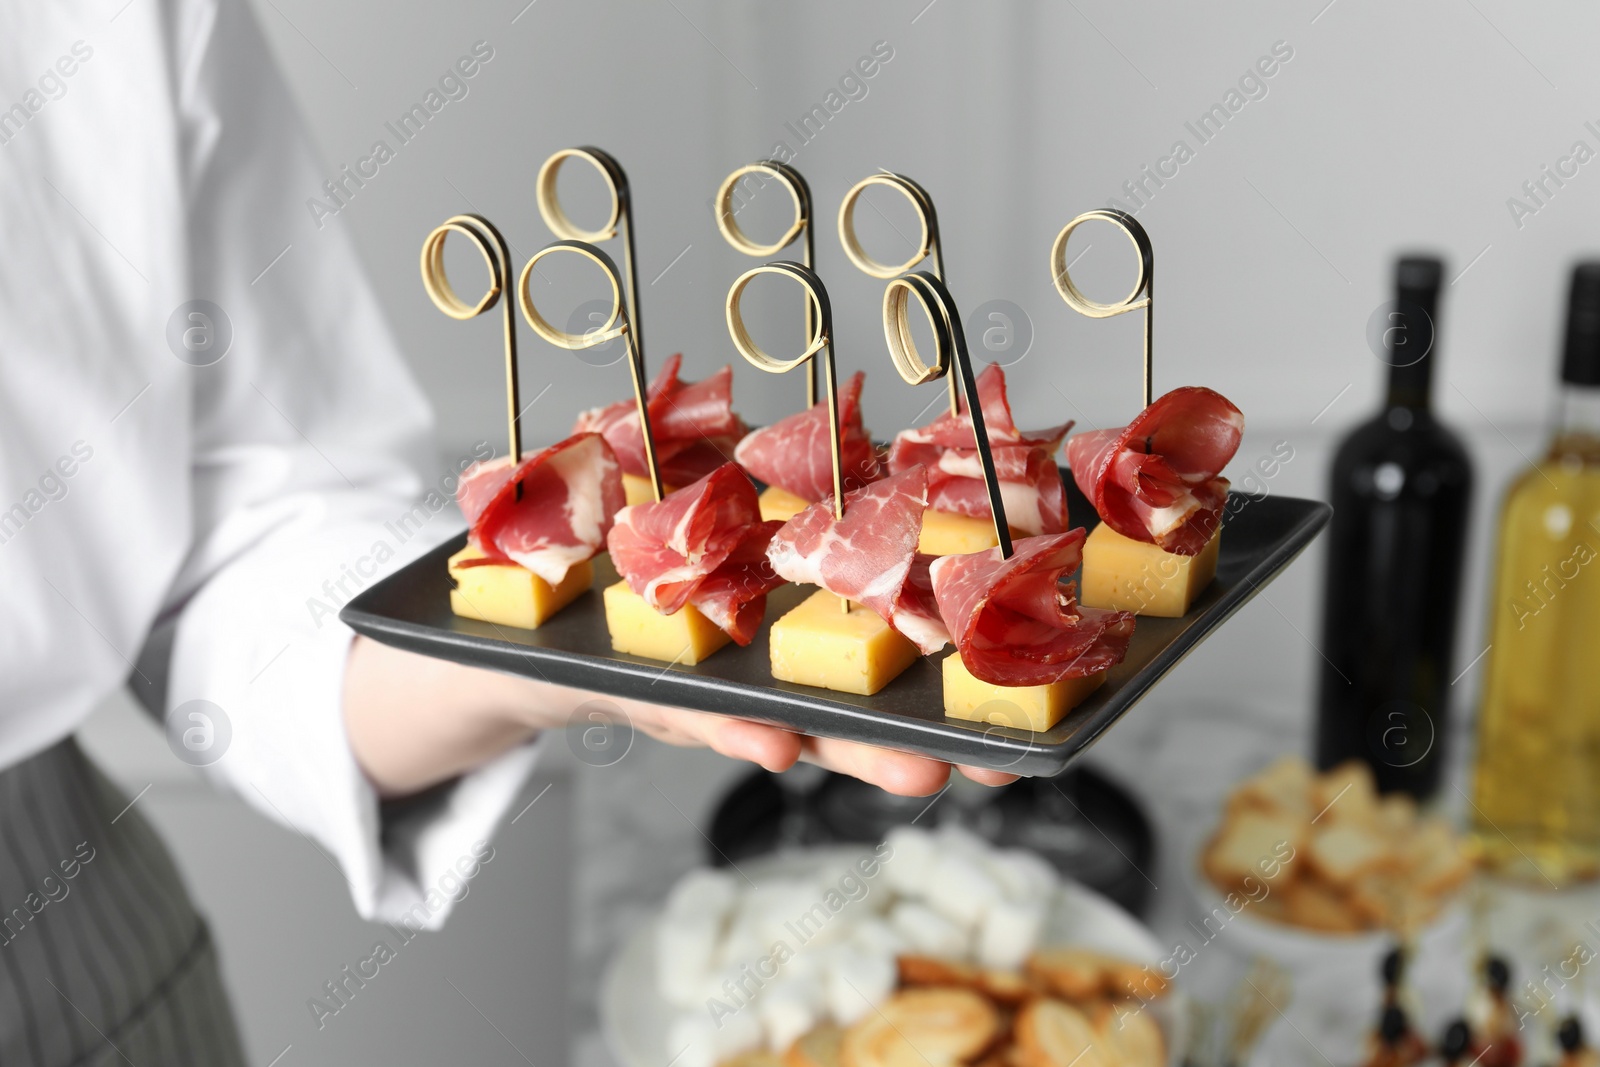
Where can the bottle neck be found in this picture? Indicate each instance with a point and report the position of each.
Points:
(1577, 428)
(1411, 387)
(1413, 347)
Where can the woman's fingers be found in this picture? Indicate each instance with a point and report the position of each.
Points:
(777, 749)
(987, 776)
(767, 746)
(895, 772)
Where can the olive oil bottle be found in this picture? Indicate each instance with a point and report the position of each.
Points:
(1537, 802)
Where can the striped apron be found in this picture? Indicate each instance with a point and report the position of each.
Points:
(103, 960)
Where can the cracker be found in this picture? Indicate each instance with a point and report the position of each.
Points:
(919, 1027)
(1053, 1033)
(819, 1048)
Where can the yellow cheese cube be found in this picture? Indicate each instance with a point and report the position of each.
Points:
(1129, 575)
(509, 594)
(945, 533)
(637, 488)
(685, 636)
(1024, 707)
(781, 504)
(818, 644)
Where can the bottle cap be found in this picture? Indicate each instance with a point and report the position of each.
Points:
(1497, 974)
(1393, 1025)
(1393, 967)
(1418, 273)
(1457, 1040)
(1580, 362)
(1416, 307)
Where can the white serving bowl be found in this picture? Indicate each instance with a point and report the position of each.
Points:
(1334, 978)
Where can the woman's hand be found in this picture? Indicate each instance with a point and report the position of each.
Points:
(778, 749)
(414, 721)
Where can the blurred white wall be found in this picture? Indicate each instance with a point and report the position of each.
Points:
(1392, 126)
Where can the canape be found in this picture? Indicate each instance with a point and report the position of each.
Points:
(692, 423)
(1026, 651)
(534, 526)
(959, 518)
(874, 613)
(1156, 486)
(794, 460)
(694, 570)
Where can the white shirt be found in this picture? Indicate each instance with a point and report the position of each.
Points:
(150, 155)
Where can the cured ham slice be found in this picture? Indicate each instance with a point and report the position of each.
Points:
(1156, 479)
(869, 556)
(794, 453)
(1024, 461)
(704, 545)
(693, 424)
(1016, 623)
(570, 494)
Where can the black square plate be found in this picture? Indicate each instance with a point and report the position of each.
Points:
(410, 609)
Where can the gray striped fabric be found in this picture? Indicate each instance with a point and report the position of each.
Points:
(102, 958)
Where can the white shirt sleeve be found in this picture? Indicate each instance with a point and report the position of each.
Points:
(308, 437)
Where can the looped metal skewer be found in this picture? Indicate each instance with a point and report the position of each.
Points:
(928, 242)
(1140, 296)
(563, 227)
(497, 257)
(801, 227)
(616, 325)
(928, 219)
(819, 340)
(949, 352)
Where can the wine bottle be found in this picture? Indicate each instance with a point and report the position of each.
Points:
(1400, 488)
(1537, 802)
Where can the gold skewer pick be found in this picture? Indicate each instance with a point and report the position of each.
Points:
(928, 243)
(621, 214)
(949, 351)
(819, 340)
(616, 325)
(800, 193)
(1143, 285)
(482, 233)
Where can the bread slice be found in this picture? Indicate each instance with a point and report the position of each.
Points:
(1082, 975)
(1007, 988)
(1384, 899)
(1315, 907)
(819, 1048)
(756, 1057)
(1284, 785)
(1124, 978)
(1347, 793)
(1053, 1033)
(1344, 851)
(1132, 1036)
(1397, 814)
(929, 1027)
(999, 1056)
(1074, 973)
(918, 970)
(1439, 862)
(1249, 842)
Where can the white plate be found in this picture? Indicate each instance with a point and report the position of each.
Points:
(635, 1018)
